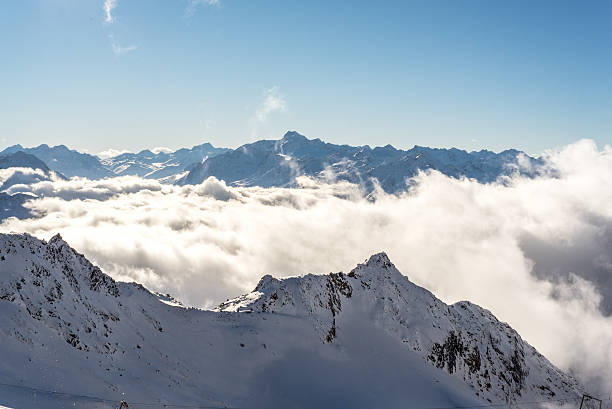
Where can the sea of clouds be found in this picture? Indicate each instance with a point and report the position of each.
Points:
(536, 252)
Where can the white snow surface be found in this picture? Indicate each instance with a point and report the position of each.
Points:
(73, 337)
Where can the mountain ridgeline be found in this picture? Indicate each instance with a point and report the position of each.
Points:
(276, 163)
(368, 338)
(269, 163)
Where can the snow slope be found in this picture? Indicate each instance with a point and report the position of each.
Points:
(366, 339)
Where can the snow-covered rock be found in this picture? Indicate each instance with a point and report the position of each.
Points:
(369, 338)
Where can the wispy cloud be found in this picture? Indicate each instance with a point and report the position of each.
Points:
(109, 153)
(160, 149)
(108, 7)
(273, 101)
(193, 5)
(119, 49)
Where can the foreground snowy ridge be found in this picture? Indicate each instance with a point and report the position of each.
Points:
(462, 339)
(369, 338)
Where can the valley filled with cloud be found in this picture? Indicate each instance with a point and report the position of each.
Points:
(534, 251)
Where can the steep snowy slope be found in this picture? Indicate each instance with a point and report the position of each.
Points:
(276, 163)
(160, 164)
(366, 339)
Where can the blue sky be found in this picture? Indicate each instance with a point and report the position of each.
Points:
(470, 74)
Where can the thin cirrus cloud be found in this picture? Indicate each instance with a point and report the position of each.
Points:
(118, 49)
(193, 5)
(522, 248)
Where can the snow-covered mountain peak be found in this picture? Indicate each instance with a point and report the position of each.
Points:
(57, 240)
(267, 283)
(294, 136)
(48, 266)
(376, 264)
(77, 323)
(462, 339)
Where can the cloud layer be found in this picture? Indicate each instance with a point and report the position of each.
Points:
(536, 252)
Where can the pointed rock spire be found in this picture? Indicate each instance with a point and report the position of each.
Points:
(57, 239)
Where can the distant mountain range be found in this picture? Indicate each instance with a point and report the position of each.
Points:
(269, 163)
(66, 161)
(365, 339)
(277, 162)
(161, 165)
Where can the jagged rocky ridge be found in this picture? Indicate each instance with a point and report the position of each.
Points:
(365, 339)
